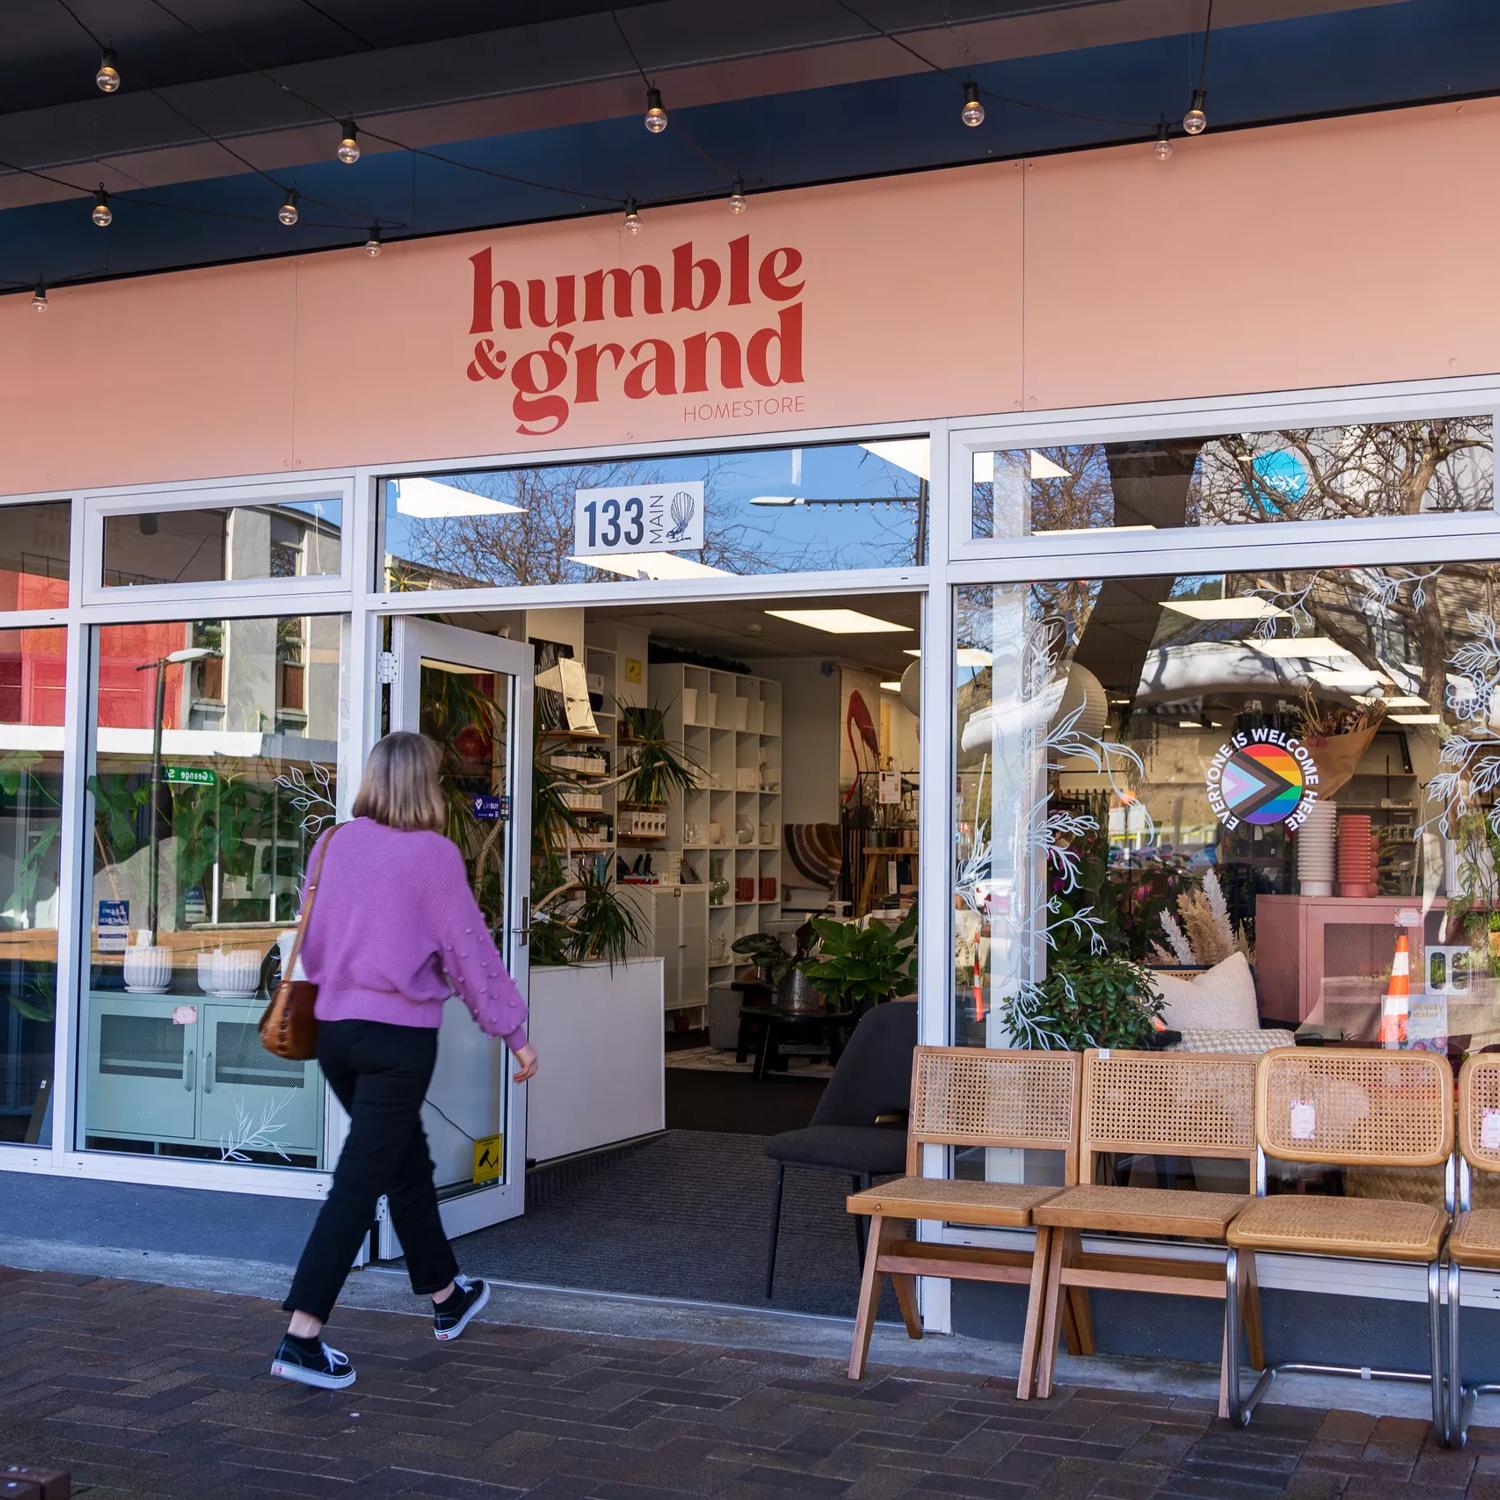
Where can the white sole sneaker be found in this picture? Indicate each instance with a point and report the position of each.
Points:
(301, 1375)
(443, 1335)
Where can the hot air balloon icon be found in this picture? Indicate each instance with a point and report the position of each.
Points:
(682, 511)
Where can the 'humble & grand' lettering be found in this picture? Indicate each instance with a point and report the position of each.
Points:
(565, 372)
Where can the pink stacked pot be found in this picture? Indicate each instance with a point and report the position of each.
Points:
(1355, 854)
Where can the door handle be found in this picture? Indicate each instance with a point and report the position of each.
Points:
(208, 1073)
(524, 930)
(188, 1072)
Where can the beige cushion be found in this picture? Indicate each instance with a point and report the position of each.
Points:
(1219, 999)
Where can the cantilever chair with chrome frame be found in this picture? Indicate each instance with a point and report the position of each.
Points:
(1342, 1107)
(1475, 1241)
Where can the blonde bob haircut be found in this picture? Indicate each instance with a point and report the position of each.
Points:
(400, 786)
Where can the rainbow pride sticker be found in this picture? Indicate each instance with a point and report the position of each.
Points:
(1262, 784)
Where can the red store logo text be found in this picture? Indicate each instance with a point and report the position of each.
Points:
(572, 369)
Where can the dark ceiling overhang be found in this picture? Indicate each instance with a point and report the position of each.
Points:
(784, 93)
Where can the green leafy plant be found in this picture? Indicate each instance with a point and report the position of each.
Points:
(657, 766)
(769, 954)
(857, 967)
(1105, 1000)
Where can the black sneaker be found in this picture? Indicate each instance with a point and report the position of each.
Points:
(312, 1362)
(451, 1316)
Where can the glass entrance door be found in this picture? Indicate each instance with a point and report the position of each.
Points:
(472, 693)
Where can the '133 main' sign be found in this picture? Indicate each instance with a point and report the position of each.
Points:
(639, 518)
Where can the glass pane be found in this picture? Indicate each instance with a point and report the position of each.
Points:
(214, 769)
(34, 555)
(32, 668)
(287, 539)
(1288, 778)
(1295, 474)
(467, 713)
(778, 510)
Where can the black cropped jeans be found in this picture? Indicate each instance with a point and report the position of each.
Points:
(380, 1074)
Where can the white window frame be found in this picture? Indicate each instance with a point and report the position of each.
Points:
(228, 494)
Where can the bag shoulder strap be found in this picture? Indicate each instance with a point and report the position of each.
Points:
(307, 906)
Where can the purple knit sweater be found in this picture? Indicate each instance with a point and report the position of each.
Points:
(395, 931)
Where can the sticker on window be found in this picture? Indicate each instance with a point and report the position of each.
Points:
(1489, 1130)
(1304, 1120)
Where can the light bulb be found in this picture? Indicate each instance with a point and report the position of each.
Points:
(39, 300)
(108, 76)
(632, 218)
(1195, 121)
(287, 213)
(737, 200)
(103, 215)
(349, 147)
(1163, 147)
(656, 116)
(973, 111)
(372, 245)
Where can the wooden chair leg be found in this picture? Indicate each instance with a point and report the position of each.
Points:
(869, 1298)
(1078, 1298)
(905, 1286)
(1052, 1301)
(1031, 1333)
(1250, 1304)
(1069, 1326)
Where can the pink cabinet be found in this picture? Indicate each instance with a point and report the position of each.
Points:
(1312, 952)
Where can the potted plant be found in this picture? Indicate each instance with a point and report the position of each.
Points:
(784, 971)
(857, 967)
(657, 766)
(1099, 1000)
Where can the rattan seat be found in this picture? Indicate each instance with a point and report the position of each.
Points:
(1007, 1204)
(1135, 1210)
(1370, 1228)
(1475, 1240)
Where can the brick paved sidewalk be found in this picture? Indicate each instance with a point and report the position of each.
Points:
(148, 1390)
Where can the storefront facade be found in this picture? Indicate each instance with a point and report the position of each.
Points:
(1086, 395)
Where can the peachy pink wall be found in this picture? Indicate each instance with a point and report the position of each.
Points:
(1327, 253)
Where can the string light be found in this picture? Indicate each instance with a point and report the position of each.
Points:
(1195, 121)
(972, 113)
(348, 152)
(656, 116)
(632, 218)
(103, 215)
(1162, 150)
(372, 245)
(108, 76)
(737, 200)
(288, 210)
(39, 298)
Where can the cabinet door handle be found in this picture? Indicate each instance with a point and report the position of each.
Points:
(208, 1073)
(187, 1071)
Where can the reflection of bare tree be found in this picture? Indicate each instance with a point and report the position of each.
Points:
(535, 544)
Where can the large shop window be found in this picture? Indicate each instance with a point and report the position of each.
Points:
(223, 543)
(32, 667)
(1360, 471)
(778, 510)
(1266, 804)
(214, 768)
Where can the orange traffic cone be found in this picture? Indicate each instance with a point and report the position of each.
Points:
(1396, 1006)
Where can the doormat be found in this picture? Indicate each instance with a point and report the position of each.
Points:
(712, 1060)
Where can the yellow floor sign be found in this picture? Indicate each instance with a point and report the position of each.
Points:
(489, 1155)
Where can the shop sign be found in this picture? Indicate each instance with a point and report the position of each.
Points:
(1262, 776)
(190, 776)
(489, 1155)
(114, 926)
(491, 809)
(649, 518)
(555, 343)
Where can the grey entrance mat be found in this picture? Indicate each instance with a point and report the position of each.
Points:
(685, 1215)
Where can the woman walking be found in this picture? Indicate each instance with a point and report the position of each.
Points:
(394, 931)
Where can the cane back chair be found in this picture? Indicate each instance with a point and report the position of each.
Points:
(1475, 1240)
(967, 1097)
(1174, 1104)
(1354, 1108)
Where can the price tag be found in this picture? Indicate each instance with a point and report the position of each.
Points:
(1489, 1130)
(1304, 1120)
(1104, 1054)
(890, 788)
(184, 1015)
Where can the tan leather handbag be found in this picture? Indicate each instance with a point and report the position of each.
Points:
(289, 1027)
